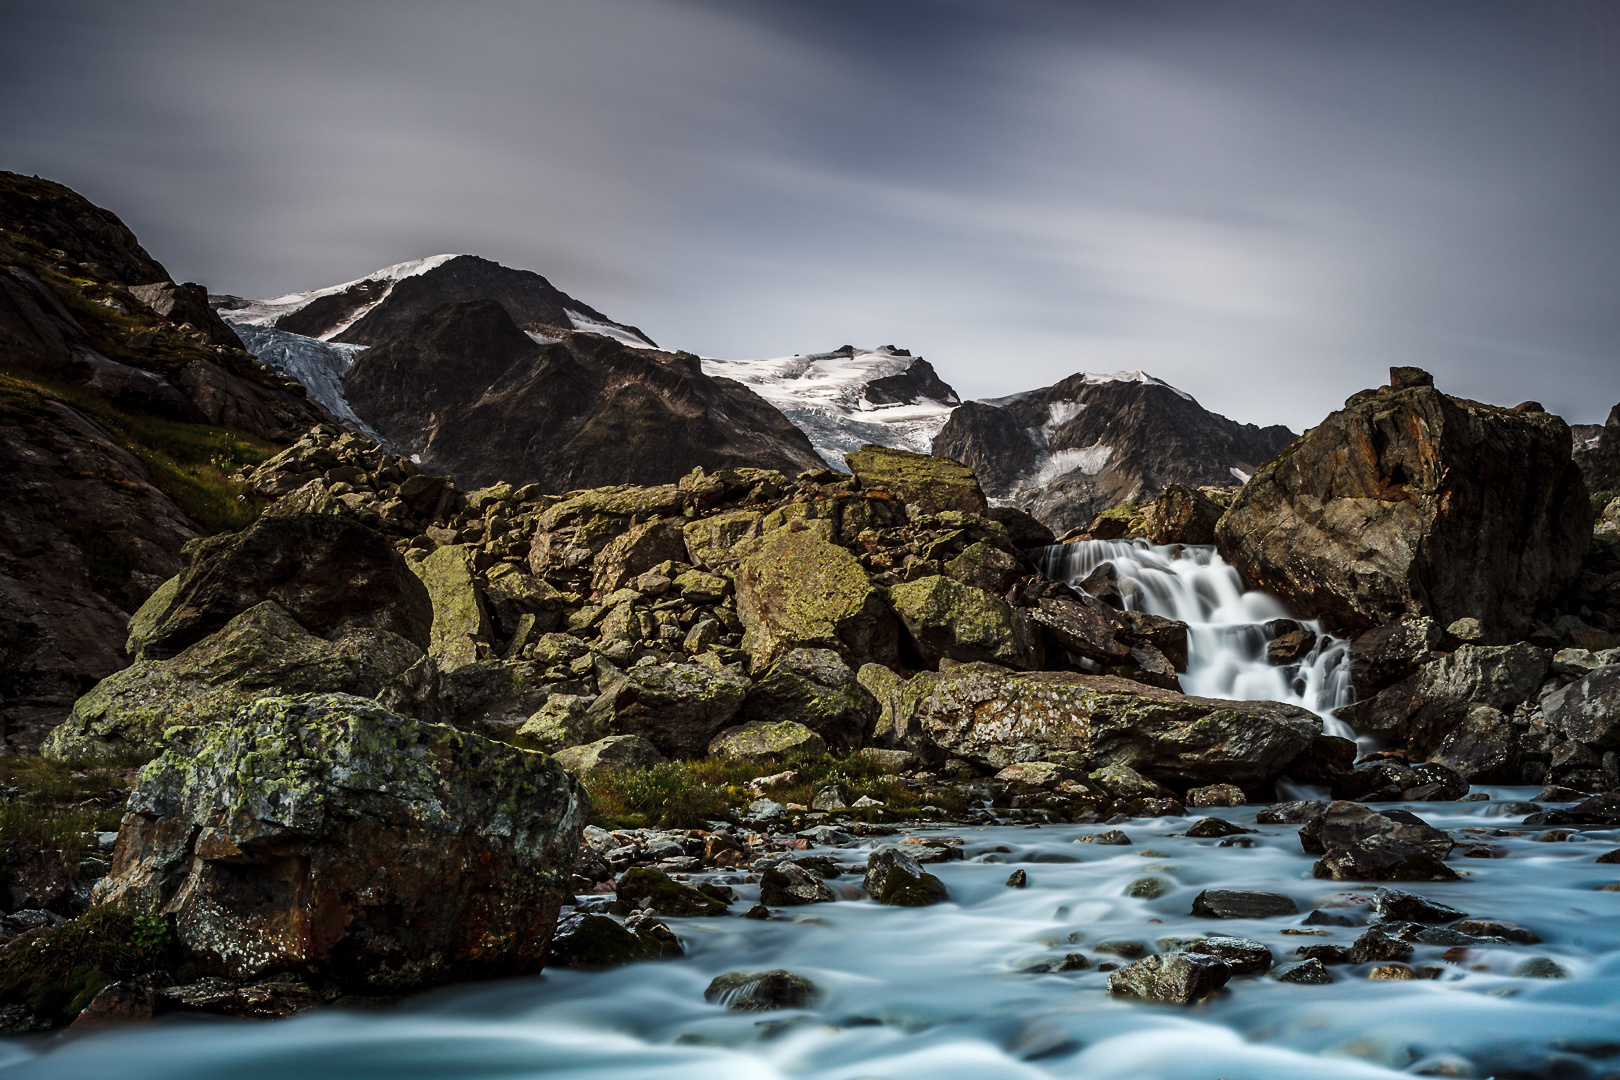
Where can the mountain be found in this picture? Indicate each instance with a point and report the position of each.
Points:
(849, 397)
(1092, 442)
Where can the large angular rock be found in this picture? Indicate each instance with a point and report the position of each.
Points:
(948, 620)
(1483, 749)
(1175, 978)
(996, 719)
(1408, 501)
(324, 834)
(795, 589)
(813, 688)
(678, 708)
(1588, 709)
(931, 484)
(765, 741)
(1420, 711)
(461, 633)
(710, 541)
(616, 753)
(635, 552)
(1358, 843)
(1086, 627)
(328, 572)
(895, 878)
(261, 651)
(511, 593)
(1181, 515)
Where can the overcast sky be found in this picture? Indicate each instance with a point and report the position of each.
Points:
(1266, 203)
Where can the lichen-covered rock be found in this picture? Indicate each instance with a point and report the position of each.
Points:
(1175, 978)
(948, 620)
(626, 753)
(763, 741)
(635, 552)
(326, 835)
(1588, 709)
(563, 721)
(510, 593)
(816, 689)
(1408, 501)
(795, 589)
(261, 651)
(996, 718)
(329, 572)
(931, 484)
(678, 708)
(710, 541)
(894, 877)
(1181, 515)
(461, 632)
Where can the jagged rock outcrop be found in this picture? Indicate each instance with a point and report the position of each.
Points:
(1600, 458)
(463, 390)
(1409, 501)
(325, 835)
(1091, 442)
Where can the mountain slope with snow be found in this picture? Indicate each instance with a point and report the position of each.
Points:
(849, 397)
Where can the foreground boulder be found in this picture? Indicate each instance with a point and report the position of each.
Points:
(797, 589)
(946, 619)
(261, 651)
(328, 571)
(1408, 501)
(325, 835)
(815, 689)
(1358, 843)
(1175, 978)
(998, 718)
(928, 483)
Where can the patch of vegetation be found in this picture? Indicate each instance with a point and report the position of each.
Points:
(689, 794)
(61, 804)
(58, 973)
(190, 463)
(1602, 499)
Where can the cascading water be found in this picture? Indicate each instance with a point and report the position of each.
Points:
(1226, 623)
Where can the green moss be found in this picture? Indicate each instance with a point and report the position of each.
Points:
(933, 484)
(57, 974)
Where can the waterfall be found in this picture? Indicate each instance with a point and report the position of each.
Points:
(1226, 623)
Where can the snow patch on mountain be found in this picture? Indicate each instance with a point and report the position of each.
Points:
(266, 312)
(587, 325)
(319, 365)
(825, 396)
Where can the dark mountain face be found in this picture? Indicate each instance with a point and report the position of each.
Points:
(916, 383)
(396, 305)
(474, 396)
(1089, 443)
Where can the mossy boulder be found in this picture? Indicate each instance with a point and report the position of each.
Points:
(676, 707)
(261, 651)
(615, 753)
(330, 572)
(510, 593)
(764, 741)
(796, 589)
(461, 632)
(929, 483)
(710, 541)
(985, 566)
(946, 619)
(1181, 515)
(325, 835)
(563, 721)
(634, 552)
(895, 878)
(816, 689)
(663, 894)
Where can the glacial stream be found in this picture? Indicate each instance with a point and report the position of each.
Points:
(948, 991)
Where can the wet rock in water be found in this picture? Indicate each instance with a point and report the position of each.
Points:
(1388, 779)
(1147, 888)
(761, 991)
(1559, 793)
(596, 942)
(787, 883)
(815, 689)
(1603, 810)
(1210, 828)
(1396, 906)
(1513, 932)
(1242, 904)
(765, 742)
(1408, 501)
(1176, 978)
(1068, 962)
(1391, 972)
(1360, 844)
(1539, 967)
(1290, 646)
(1128, 950)
(1308, 972)
(1112, 837)
(276, 822)
(1216, 795)
(1375, 945)
(1291, 813)
(270, 998)
(662, 894)
(1244, 956)
(894, 877)
(1325, 954)
(1380, 858)
(615, 753)
(1609, 857)
(758, 911)
(1017, 879)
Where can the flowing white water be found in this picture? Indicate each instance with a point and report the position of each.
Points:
(1226, 623)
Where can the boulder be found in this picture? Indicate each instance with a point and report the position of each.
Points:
(996, 718)
(1419, 712)
(1360, 844)
(1387, 779)
(931, 484)
(1483, 749)
(643, 887)
(461, 633)
(787, 884)
(635, 552)
(711, 541)
(984, 566)
(261, 651)
(1408, 501)
(1242, 904)
(562, 722)
(1588, 709)
(761, 991)
(1388, 653)
(1394, 905)
(815, 689)
(1085, 627)
(894, 877)
(511, 592)
(1181, 515)
(1244, 956)
(329, 572)
(796, 589)
(764, 741)
(616, 753)
(323, 834)
(1175, 978)
(945, 619)
(678, 708)
(596, 942)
